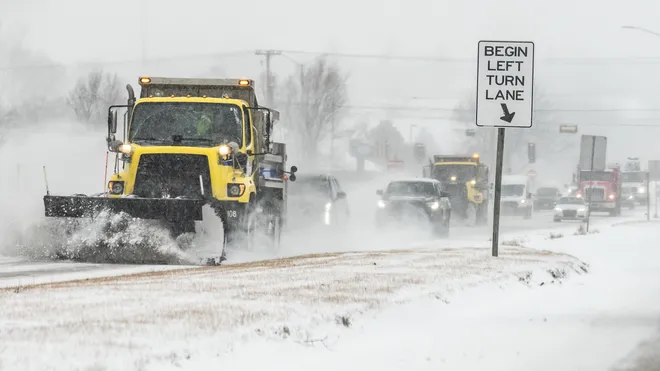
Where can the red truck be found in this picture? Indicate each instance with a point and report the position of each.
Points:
(602, 189)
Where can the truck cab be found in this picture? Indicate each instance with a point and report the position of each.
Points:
(466, 181)
(601, 190)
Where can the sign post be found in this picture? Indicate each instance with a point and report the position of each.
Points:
(505, 99)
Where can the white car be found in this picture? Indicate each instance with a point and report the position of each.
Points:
(570, 208)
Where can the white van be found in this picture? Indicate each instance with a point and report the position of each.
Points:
(516, 196)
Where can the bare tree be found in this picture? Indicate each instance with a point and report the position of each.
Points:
(92, 95)
(314, 104)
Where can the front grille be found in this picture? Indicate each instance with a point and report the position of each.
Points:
(570, 213)
(172, 175)
(595, 194)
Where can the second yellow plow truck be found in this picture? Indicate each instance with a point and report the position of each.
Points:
(465, 178)
(187, 144)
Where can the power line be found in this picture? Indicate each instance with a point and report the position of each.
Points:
(441, 109)
(565, 60)
(462, 60)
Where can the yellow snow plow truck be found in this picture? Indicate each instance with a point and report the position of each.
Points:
(466, 180)
(188, 144)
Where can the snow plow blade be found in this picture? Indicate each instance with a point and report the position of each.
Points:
(143, 208)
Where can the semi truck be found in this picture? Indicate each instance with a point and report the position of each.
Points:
(188, 143)
(601, 189)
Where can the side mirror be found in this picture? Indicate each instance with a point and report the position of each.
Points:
(292, 177)
(114, 145)
(112, 121)
(379, 192)
(444, 194)
(529, 195)
(492, 185)
(341, 195)
(294, 169)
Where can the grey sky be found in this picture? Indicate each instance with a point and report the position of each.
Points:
(570, 38)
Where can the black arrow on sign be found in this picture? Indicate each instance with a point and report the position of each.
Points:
(508, 117)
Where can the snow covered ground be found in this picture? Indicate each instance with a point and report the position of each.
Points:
(181, 317)
(450, 308)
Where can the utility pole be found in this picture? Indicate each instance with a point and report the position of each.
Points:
(269, 78)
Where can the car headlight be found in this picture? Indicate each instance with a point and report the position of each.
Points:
(435, 205)
(523, 201)
(641, 190)
(382, 204)
(224, 150)
(126, 149)
(581, 210)
(116, 188)
(328, 207)
(473, 182)
(558, 210)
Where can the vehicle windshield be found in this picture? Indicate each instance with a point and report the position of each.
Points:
(596, 175)
(635, 177)
(513, 190)
(309, 186)
(463, 173)
(571, 201)
(414, 189)
(545, 192)
(198, 124)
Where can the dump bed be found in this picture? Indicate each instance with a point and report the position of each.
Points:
(212, 88)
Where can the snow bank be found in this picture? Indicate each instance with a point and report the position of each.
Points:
(163, 318)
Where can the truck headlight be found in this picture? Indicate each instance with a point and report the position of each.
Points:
(611, 197)
(116, 188)
(224, 150)
(235, 190)
(582, 210)
(435, 205)
(473, 182)
(381, 204)
(557, 210)
(522, 202)
(641, 190)
(328, 207)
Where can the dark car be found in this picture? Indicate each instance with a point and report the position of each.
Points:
(546, 198)
(418, 197)
(316, 199)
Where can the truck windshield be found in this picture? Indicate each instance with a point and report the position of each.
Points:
(414, 189)
(463, 173)
(636, 177)
(513, 190)
(602, 176)
(200, 124)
